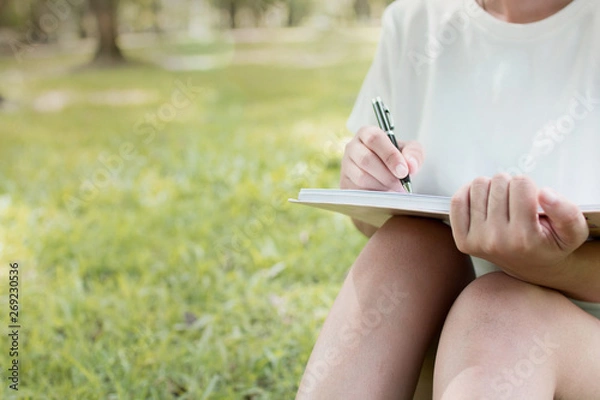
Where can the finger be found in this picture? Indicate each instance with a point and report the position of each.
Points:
(460, 214)
(498, 200)
(478, 194)
(361, 179)
(368, 162)
(566, 219)
(523, 204)
(414, 154)
(378, 142)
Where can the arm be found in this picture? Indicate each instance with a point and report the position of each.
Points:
(497, 219)
(581, 273)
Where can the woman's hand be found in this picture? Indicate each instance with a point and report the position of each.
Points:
(372, 162)
(497, 219)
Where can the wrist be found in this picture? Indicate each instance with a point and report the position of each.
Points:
(553, 273)
(569, 276)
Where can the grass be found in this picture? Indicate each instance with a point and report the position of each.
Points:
(187, 275)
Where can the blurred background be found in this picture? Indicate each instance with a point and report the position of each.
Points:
(147, 152)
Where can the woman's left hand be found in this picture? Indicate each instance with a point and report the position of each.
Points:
(497, 219)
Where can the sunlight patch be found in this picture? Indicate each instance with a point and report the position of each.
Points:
(52, 101)
(132, 97)
(55, 101)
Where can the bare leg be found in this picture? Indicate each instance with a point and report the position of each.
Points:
(391, 306)
(507, 339)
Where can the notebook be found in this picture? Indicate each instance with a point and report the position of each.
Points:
(375, 207)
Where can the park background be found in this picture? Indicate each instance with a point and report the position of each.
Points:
(147, 152)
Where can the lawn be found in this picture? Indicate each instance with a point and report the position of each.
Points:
(158, 256)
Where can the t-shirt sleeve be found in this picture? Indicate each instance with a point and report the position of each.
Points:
(378, 81)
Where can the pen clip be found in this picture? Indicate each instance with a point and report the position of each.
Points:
(383, 114)
(388, 117)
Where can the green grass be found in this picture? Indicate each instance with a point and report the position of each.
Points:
(188, 275)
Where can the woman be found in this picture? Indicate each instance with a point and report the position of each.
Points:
(507, 89)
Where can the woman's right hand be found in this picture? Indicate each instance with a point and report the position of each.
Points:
(372, 162)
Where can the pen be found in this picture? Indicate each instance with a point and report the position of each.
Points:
(384, 118)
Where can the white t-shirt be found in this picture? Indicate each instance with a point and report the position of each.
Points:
(484, 96)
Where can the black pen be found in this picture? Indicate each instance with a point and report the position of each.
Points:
(386, 123)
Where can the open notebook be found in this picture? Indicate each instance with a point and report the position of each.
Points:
(376, 207)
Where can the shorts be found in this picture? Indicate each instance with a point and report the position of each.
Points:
(483, 267)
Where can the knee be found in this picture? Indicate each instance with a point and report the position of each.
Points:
(496, 302)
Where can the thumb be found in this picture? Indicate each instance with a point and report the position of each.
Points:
(414, 154)
(565, 218)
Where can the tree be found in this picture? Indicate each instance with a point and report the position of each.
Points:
(3, 4)
(259, 8)
(156, 8)
(107, 52)
(80, 14)
(232, 7)
(297, 10)
(362, 9)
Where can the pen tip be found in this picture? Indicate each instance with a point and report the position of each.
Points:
(407, 186)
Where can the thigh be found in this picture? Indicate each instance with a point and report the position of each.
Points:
(579, 353)
(391, 305)
(506, 336)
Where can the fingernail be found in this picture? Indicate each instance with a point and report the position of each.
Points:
(550, 196)
(413, 164)
(401, 171)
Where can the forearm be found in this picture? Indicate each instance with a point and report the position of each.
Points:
(578, 276)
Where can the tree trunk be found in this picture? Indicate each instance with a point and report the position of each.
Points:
(3, 4)
(362, 9)
(81, 13)
(291, 17)
(297, 10)
(39, 35)
(107, 53)
(232, 13)
(156, 9)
